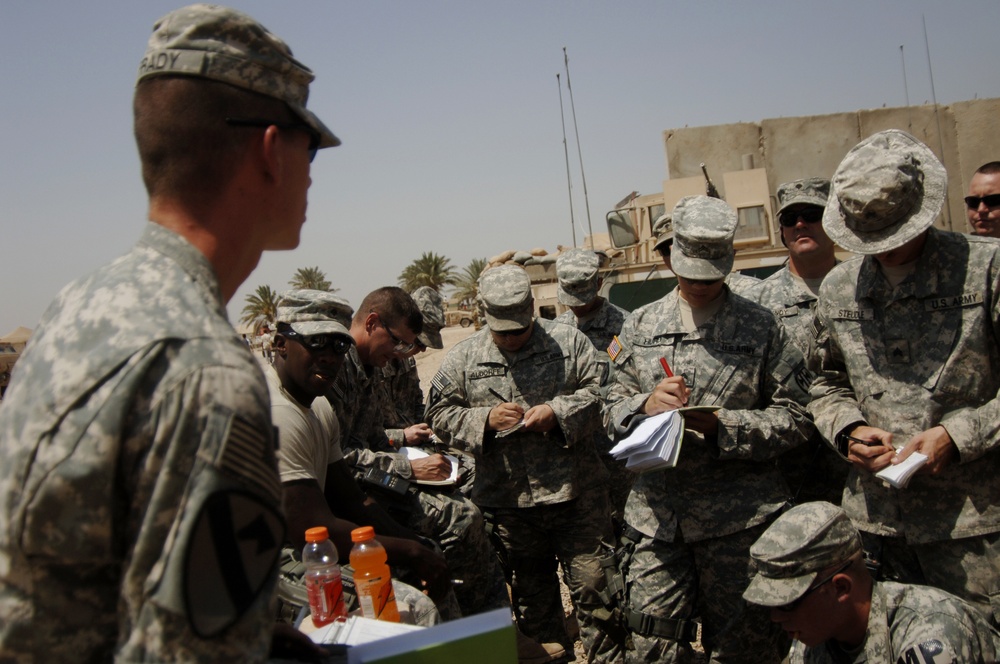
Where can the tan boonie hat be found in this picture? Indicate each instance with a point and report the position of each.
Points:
(888, 190)
(663, 230)
(222, 44)
(311, 312)
(505, 292)
(431, 306)
(704, 228)
(801, 543)
(576, 271)
(810, 191)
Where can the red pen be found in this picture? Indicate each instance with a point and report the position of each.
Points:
(666, 367)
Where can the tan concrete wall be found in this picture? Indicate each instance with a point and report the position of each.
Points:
(813, 146)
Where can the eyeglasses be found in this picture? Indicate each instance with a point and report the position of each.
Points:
(314, 137)
(401, 346)
(510, 333)
(791, 606)
(810, 215)
(318, 343)
(991, 201)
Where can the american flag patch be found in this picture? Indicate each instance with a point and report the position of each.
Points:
(614, 348)
(248, 454)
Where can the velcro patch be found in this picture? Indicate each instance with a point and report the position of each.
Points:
(486, 372)
(441, 382)
(854, 314)
(614, 348)
(249, 455)
(230, 559)
(954, 301)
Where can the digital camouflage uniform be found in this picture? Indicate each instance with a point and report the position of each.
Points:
(302, 432)
(600, 327)
(401, 398)
(695, 522)
(912, 623)
(807, 546)
(813, 471)
(137, 426)
(908, 360)
(545, 490)
(445, 516)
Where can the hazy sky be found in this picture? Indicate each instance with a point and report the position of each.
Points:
(449, 114)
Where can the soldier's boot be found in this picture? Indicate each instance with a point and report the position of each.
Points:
(530, 651)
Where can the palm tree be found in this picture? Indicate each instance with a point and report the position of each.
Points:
(312, 278)
(261, 306)
(428, 270)
(467, 282)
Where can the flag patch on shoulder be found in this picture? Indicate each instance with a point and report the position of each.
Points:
(614, 348)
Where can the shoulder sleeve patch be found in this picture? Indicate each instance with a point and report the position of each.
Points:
(614, 348)
(248, 454)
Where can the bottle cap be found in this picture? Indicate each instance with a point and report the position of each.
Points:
(362, 534)
(317, 534)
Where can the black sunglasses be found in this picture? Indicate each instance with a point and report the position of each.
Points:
(511, 333)
(318, 343)
(791, 606)
(991, 200)
(314, 137)
(810, 215)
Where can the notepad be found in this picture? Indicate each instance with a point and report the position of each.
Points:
(899, 475)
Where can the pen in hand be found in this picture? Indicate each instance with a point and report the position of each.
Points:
(666, 367)
(497, 395)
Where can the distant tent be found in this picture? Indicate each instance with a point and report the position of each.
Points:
(18, 338)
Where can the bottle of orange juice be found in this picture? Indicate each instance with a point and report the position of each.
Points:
(372, 579)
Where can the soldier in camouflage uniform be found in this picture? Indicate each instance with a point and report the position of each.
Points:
(386, 327)
(140, 506)
(813, 471)
(811, 575)
(909, 361)
(663, 231)
(310, 343)
(523, 395)
(596, 317)
(694, 524)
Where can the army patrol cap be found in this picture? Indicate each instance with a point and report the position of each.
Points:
(311, 312)
(663, 230)
(223, 44)
(431, 306)
(810, 191)
(704, 228)
(888, 190)
(801, 543)
(505, 293)
(576, 271)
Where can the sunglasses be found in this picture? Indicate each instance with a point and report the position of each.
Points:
(791, 606)
(991, 201)
(510, 333)
(810, 215)
(401, 346)
(314, 137)
(318, 343)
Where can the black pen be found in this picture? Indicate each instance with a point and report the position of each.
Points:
(866, 443)
(497, 395)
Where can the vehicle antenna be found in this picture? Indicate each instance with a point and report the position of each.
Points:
(569, 181)
(576, 130)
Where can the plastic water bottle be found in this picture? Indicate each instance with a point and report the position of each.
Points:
(323, 581)
(372, 578)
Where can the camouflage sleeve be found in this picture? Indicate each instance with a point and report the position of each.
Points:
(360, 457)
(782, 422)
(833, 404)
(625, 393)
(578, 413)
(449, 412)
(397, 437)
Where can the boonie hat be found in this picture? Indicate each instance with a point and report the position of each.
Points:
(576, 271)
(431, 306)
(505, 293)
(800, 544)
(704, 228)
(810, 191)
(310, 312)
(223, 44)
(663, 230)
(888, 190)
